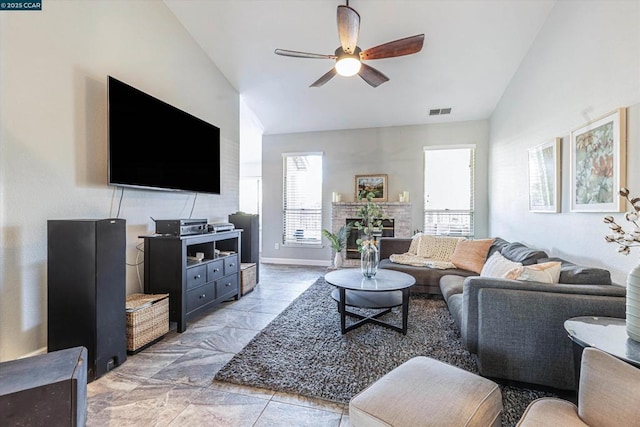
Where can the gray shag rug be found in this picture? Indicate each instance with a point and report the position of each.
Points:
(302, 351)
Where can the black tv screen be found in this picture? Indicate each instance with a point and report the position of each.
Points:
(157, 146)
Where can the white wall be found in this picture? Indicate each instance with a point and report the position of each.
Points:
(395, 151)
(54, 66)
(584, 63)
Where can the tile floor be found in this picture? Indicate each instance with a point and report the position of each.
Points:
(171, 383)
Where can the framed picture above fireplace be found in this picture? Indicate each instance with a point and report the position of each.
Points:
(377, 184)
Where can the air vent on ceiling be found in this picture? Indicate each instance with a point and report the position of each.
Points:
(440, 111)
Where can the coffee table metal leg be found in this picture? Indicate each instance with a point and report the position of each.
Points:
(342, 309)
(405, 310)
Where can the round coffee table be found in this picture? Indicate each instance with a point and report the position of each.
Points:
(386, 290)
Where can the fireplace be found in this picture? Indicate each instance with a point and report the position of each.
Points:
(387, 230)
(343, 212)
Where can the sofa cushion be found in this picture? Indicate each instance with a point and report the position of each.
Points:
(451, 285)
(521, 253)
(496, 246)
(547, 272)
(499, 266)
(573, 274)
(424, 276)
(471, 254)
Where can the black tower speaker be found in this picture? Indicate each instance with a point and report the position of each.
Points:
(250, 241)
(87, 291)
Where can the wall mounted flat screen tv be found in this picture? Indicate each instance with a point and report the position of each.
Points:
(157, 146)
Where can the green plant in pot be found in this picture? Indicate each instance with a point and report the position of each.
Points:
(338, 242)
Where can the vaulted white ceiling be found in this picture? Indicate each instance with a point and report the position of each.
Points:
(472, 49)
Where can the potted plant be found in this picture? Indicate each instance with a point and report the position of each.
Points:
(338, 242)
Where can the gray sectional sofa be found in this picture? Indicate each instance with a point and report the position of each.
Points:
(515, 329)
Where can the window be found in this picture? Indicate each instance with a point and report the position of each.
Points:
(302, 199)
(448, 190)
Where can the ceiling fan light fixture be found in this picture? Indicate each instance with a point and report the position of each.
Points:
(348, 66)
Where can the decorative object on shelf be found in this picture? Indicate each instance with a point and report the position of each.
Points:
(406, 196)
(338, 242)
(374, 184)
(597, 163)
(369, 258)
(627, 240)
(371, 220)
(336, 197)
(544, 177)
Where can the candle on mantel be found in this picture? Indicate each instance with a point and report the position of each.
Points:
(406, 196)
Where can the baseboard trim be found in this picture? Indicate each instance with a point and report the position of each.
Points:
(294, 261)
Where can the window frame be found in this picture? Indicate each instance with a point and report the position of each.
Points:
(470, 213)
(284, 240)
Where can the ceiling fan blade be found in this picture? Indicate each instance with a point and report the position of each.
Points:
(400, 47)
(372, 76)
(325, 78)
(348, 28)
(296, 54)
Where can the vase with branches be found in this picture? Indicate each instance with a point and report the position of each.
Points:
(371, 217)
(626, 239)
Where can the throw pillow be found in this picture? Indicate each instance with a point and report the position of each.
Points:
(437, 248)
(548, 272)
(521, 253)
(498, 266)
(471, 254)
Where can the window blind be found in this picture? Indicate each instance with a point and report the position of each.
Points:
(302, 199)
(449, 190)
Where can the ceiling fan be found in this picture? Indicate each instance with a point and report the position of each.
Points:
(349, 56)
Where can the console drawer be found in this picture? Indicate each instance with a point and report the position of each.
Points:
(200, 296)
(215, 270)
(231, 264)
(196, 276)
(227, 286)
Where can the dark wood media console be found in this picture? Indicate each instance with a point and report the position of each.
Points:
(193, 286)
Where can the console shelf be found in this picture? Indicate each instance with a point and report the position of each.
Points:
(193, 286)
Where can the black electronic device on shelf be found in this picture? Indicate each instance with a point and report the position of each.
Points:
(181, 227)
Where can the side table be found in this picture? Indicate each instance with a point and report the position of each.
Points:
(608, 334)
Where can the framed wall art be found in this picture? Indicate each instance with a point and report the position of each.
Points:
(544, 177)
(377, 184)
(598, 164)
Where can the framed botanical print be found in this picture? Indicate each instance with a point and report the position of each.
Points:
(376, 184)
(598, 164)
(544, 177)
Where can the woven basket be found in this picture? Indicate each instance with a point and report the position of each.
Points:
(247, 277)
(147, 319)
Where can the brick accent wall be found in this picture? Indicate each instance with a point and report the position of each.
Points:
(400, 212)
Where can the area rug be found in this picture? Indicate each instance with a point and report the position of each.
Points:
(302, 351)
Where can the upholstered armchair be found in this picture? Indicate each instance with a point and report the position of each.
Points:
(608, 396)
